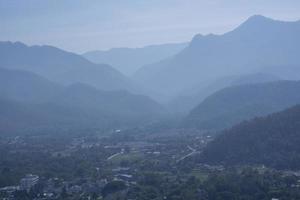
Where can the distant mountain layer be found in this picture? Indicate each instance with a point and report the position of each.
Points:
(30, 103)
(272, 141)
(26, 86)
(183, 104)
(234, 104)
(255, 46)
(18, 118)
(115, 103)
(129, 60)
(61, 66)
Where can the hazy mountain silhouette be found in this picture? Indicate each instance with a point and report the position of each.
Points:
(119, 103)
(61, 66)
(129, 60)
(272, 141)
(30, 103)
(252, 47)
(20, 85)
(18, 118)
(234, 104)
(191, 98)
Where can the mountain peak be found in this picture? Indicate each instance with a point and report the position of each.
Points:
(259, 23)
(257, 20)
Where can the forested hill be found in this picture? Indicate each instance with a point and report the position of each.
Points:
(232, 105)
(272, 140)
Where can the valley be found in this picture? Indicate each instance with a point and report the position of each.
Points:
(149, 100)
(137, 164)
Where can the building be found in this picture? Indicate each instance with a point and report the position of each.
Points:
(28, 182)
(8, 191)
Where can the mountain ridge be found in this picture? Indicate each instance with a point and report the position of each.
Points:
(30, 103)
(242, 50)
(61, 66)
(272, 141)
(234, 104)
(128, 60)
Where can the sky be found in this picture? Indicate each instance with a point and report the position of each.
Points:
(83, 25)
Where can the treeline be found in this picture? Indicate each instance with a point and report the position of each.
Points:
(273, 141)
(246, 184)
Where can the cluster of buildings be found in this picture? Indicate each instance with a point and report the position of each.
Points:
(26, 184)
(118, 164)
(53, 188)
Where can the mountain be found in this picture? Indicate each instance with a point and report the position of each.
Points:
(61, 66)
(272, 141)
(19, 118)
(20, 85)
(254, 46)
(184, 103)
(119, 104)
(237, 103)
(30, 104)
(129, 60)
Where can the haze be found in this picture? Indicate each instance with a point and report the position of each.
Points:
(149, 100)
(80, 26)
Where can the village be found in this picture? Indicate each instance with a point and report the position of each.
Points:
(104, 160)
(104, 167)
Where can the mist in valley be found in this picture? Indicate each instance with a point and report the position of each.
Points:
(119, 100)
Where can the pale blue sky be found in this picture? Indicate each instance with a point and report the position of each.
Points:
(82, 25)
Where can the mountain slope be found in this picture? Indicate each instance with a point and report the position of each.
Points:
(61, 66)
(129, 60)
(115, 103)
(20, 85)
(235, 104)
(272, 141)
(30, 104)
(19, 118)
(191, 98)
(256, 44)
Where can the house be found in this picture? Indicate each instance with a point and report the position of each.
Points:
(28, 182)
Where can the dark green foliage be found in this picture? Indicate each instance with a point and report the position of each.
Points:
(113, 187)
(234, 184)
(273, 141)
(250, 185)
